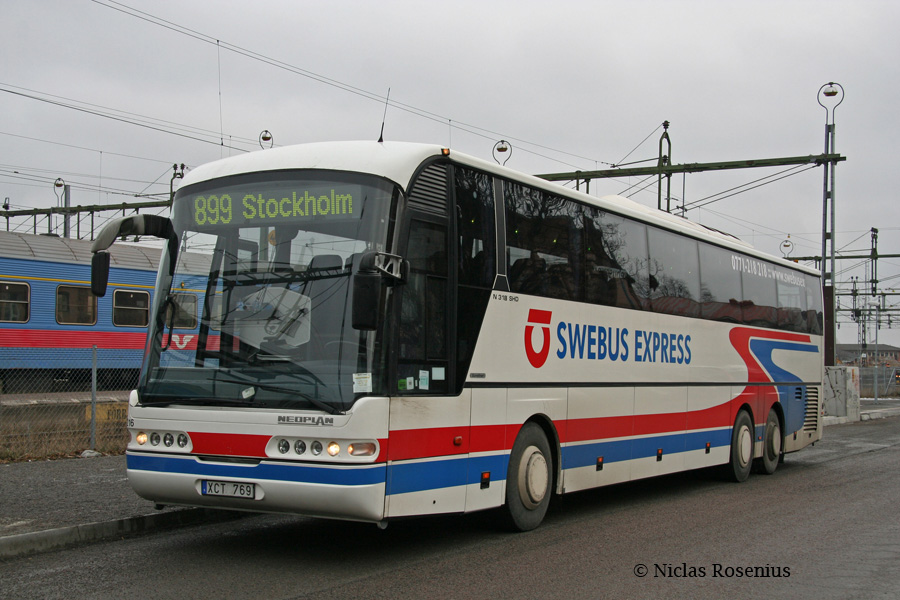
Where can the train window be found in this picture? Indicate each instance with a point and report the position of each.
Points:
(185, 311)
(14, 302)
(131, 309)
(75, 305)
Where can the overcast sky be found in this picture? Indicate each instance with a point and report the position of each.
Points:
(572, 84)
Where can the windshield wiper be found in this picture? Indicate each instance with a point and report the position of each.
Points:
(274, 388)
(177, 399)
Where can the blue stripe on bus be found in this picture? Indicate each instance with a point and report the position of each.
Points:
(584, 455)
(418, 476)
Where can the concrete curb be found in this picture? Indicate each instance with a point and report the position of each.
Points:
(866, 415)
(53, 539)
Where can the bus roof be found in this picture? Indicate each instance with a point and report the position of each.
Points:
(399, 162)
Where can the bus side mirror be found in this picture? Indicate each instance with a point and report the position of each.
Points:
(99, 273)
(153, 225)
(375, 268)
(366, 299)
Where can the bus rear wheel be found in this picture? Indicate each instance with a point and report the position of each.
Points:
(738, 468)
(529, 479)
(772, 446)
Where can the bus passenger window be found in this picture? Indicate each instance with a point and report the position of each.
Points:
(477, 259)
(615, 261)
(674, 274)
(720, 285)
(760, 300)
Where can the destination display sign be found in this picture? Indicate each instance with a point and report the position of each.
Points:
(269, 204)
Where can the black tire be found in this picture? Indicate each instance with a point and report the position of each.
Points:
(529, 479)
(742, 442)
(773, 443)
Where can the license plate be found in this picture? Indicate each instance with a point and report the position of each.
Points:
(228, 488)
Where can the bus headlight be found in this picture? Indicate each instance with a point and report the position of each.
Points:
(154, 439)
(284, 446)
(334, 448)
(141, 438)
(316, 448)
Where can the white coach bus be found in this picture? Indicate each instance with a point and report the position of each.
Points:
(393, 329)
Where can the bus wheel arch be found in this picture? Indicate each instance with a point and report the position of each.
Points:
(531, 476)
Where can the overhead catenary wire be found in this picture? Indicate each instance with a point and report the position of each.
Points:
(374, 96)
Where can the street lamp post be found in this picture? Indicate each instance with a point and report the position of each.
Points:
(829, 97)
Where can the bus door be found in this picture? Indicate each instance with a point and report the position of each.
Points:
(429, 424)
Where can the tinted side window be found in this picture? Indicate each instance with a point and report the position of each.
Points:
(615, 266)
(791, 288)
(476, 257)
(760, 297)
(475, 228)
(544, 239)
(720, 285)
(423, 313)
(674, 274)
(815, 316)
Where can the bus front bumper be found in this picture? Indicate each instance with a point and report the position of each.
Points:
(352, 492)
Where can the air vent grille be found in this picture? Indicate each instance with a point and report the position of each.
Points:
(429, 192)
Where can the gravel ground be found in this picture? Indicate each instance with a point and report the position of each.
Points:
(49, 494)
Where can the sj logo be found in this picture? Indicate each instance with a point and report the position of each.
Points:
(537, 358)
(181, 341)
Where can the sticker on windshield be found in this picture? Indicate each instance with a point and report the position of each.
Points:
(423, 380)
(362, 383)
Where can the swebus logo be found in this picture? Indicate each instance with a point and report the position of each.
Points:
(537, 358)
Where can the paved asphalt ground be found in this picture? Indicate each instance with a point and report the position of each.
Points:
(45, 505)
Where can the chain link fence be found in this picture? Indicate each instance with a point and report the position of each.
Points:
(887, 378)
(66, 410)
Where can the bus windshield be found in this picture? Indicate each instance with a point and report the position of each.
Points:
(258, 310)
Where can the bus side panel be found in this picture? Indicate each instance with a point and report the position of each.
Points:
(709, 424)
(488, 449)
(660, 418)
(598, 446)
(428, 454)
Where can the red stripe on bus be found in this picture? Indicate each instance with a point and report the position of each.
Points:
(229, 444)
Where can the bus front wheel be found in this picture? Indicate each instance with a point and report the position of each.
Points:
(738, 468)
(529, 479)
